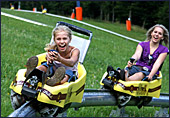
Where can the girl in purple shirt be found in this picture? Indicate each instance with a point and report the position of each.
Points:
(149, 55)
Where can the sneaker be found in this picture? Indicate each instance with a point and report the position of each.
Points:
(31, 64)
(57, 77)
(121, 74)
(124, 99)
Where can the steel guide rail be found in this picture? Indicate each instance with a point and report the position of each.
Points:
(103, 97)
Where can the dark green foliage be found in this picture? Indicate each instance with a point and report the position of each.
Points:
(142, 13)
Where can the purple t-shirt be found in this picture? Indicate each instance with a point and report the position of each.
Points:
(143, 61)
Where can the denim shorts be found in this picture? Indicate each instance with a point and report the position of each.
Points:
(68, 72)
(135, 69)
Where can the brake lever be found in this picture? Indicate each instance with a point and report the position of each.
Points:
(132, 60)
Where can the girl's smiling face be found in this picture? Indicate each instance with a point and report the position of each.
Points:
(157, 35)
(62, 41)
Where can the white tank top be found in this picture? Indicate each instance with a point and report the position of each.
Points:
(59, 64)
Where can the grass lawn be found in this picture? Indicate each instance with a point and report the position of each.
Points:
(21, 40)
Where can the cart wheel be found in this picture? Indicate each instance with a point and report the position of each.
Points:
(61, 110)
(16, 100)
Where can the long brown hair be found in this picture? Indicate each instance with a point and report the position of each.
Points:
(165, 34)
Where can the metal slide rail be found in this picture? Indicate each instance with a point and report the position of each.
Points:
(103, 97)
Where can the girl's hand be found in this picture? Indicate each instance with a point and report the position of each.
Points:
(56, 56)
(149, 77)
(49, 57)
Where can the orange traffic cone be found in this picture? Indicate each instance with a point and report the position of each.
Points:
(73, 14)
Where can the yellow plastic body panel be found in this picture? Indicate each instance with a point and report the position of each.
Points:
(17, 83)
(57, 95)
(73, 91)
(41, 58)
(138, 88)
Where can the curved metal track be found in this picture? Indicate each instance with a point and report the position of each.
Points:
(100, 97)
(103, 97)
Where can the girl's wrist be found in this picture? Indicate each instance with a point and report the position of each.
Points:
(59, 59)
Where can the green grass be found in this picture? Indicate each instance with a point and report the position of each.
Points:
(137, 33)
(21, 40)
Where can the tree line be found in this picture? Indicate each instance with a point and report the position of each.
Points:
(141, 13)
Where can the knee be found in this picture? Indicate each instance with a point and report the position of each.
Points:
(42, 68)
(129, 79)
(136, 77)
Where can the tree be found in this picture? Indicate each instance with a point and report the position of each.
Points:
(91, 9)
(142, 13)
(122, 9)
(163, 14)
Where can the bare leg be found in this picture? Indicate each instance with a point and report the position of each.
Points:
(42, 68)
(136, 77)
(65, 79)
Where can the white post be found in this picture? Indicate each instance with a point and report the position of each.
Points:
(19, 5)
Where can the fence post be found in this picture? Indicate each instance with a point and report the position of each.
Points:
(128, 24)
(79, 13)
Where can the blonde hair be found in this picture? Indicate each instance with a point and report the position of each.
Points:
(165, 34)
(55, 31)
